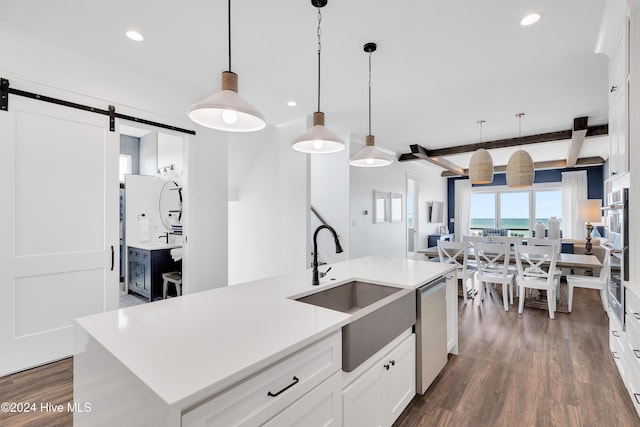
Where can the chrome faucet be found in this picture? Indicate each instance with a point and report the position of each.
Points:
(316, 275)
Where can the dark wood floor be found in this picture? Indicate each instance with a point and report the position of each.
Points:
(48, 384)
(524, 370)
(527, 370)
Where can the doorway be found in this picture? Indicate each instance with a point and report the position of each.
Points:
(151, 214)
(413, 215)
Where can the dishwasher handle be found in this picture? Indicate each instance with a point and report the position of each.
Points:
(432, 287)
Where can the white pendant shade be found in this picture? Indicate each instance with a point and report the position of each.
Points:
(318, 139)
(481, 167)
(520, 170)
(226, 110)
(370, 156)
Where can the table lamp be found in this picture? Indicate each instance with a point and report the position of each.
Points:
(589, 211)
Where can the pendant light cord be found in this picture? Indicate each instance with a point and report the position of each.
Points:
(319, 50)
(481, 122)
(369, 93)
(520, 128)
(229, 30)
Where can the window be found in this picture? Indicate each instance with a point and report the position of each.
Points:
(483, 212)
(125, 165)
(518, 211)
(548, 204)
(514, 213)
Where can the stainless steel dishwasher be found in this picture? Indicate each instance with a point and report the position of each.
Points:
(431, 332)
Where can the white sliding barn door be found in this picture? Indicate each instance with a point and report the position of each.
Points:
(59, 219)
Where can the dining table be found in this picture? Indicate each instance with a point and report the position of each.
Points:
(564, 261)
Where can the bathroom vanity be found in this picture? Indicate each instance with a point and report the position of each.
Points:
(253, 354)
(146, 264)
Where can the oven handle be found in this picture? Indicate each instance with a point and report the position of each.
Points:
(614, 207)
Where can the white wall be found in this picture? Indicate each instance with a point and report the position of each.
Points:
(205, 261)
(329, 186)
(268, 221)
(149, 154)
(390, 239)
(170, 151)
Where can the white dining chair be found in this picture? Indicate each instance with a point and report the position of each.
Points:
(492, 260)
(512, 241)
(556, 243)
(536, 270)
(601, 282)
(472, 240)
(451, 253)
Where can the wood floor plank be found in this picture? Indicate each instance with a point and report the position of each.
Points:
(527, 370)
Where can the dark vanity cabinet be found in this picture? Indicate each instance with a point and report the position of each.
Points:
(146, 268)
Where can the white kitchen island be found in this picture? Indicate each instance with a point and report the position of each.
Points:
(152, 364)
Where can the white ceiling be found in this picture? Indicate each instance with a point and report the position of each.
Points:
(439, 68)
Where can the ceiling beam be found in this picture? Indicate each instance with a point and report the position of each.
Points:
(513, 142)
(419, 152)
(577, 138)
(552, 164)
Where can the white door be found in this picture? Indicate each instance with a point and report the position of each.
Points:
(59, 216)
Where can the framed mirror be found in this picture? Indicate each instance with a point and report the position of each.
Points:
(380, 209)
(170, 205)
(396, 207)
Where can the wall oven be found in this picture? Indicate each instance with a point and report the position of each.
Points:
(617, 232)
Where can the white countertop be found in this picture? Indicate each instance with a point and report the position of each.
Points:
(149, 246)
(191, 347)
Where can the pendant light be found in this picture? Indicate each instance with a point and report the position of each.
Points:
(370, 156)
(481, 164)
(226, 110)
(520, 171)
(318, 139)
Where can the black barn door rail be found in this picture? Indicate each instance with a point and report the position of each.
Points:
(5, 90)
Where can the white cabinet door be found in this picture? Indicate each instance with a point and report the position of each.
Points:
(321, 407)
(619, 130)
(401, 376)
(364, 400)
(59, 199)
(380, 394)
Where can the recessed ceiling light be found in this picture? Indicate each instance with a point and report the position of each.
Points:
(134, 35)
(530, 19)
(292, 103)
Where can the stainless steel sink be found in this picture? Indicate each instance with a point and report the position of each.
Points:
(350, 297)
(380, 313)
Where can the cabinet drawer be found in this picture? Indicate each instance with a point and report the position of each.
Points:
(633, 385)
(632, 304)
(633, 342)
(322, 406)
(259, 398)
(617, 343)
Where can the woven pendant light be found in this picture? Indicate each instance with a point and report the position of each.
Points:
(481, 164)
(520, 170)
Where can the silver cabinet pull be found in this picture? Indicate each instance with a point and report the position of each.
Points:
(615, 355)
(615, 334)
